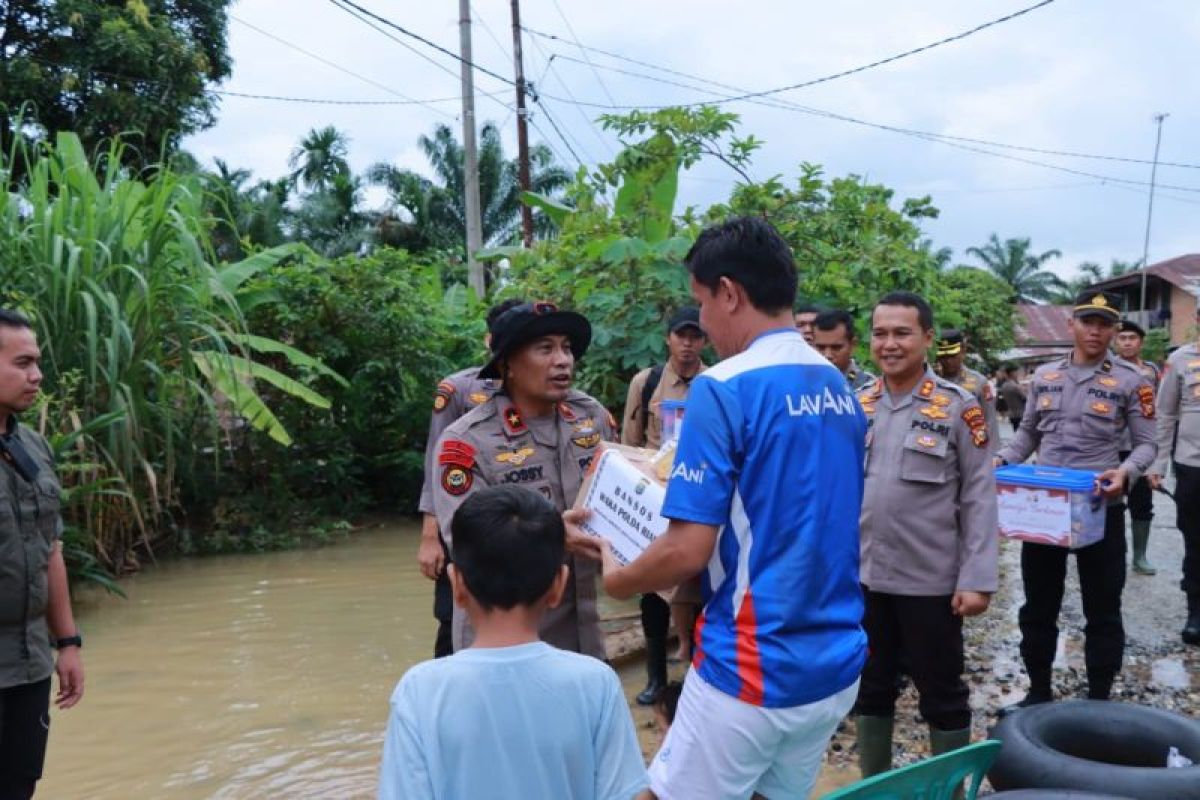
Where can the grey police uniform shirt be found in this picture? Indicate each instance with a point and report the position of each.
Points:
(1074, 418)
(1179, 410)
(492, 445)
(929, 523)
(858, 378)
(30, 524)
(975, 383)
(456, 395)
(1150, 373)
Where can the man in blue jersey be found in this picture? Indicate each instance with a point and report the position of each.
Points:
(763, 500)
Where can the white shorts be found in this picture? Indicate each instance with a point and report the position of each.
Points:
(722, 748)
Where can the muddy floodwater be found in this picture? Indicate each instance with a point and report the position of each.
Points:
(258, 676)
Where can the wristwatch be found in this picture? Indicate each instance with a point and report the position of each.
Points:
(69, 641)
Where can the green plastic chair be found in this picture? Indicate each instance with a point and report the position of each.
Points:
(934, 778)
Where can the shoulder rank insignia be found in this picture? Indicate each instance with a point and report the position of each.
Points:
(926, 389)
(933, 412)
(1107, 366)
(976, 423)
(514, 457)
(566, 412)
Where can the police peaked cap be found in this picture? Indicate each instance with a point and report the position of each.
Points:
(1095, 303)
(522, 324)
(950, 342)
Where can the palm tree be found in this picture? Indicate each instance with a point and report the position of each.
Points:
(320, 158)
(1090, 272)
(438, 209)
(1012, 262)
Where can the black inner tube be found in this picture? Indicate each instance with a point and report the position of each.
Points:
(1132, 743)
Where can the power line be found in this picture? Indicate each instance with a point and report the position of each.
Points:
(424, 41)
(338, 67)
(558, 130)
(855, 70)
(779, 103)
(575, 39)
(591, 123)
(333, 102)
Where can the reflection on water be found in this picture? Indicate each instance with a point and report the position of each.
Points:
(245, 676)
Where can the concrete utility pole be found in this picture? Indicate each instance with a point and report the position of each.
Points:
(522, 126)
(475, 277)
(1158, 118)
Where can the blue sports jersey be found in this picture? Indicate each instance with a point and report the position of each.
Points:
(771, 451)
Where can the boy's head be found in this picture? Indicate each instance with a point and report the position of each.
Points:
(508, 546)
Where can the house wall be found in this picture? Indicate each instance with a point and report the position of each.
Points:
(1183, 316)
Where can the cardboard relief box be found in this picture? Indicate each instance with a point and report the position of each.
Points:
(625, 493)
(1049, 505)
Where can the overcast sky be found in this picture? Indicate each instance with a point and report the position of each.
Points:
(1079, 75)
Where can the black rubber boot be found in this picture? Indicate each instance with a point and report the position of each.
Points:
(1191, 629)
(656, 670)
(946, 742)
(1039, 692)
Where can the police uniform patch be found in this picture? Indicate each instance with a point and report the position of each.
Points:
(1146, 400)
(456, 480)
(1104, 380)
(926, 389)
(585, 434)
(478, 398)
(976, 423)
(1051, 376)
(512, 420)
(1045, 401)
(515, 457)
(970, 384)
(933, 412)
(940, 400)
(927, 441)
(441, 398)
(565, 412)
(1101, 408)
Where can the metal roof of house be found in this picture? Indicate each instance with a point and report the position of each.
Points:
(1044, 326)
(1181, 271)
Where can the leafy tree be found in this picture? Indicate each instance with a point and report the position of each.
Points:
(436, 210)
(1014, 263)
(1090, 272)
(101, 68)
(320, 158)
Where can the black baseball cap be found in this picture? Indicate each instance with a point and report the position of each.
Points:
(1093, 303)
(686, 317)
(528, 321)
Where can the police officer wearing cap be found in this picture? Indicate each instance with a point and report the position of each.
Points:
(1129, 340)
(641, 426)
(951, 353)
(1078, 408)
(1178, 437)
(455, 395)
(535, 432)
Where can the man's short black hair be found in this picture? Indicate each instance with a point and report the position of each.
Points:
(495, 311)
(909, 300)
(13, 319)
(508, 546)
(750, 252)
(831, 319)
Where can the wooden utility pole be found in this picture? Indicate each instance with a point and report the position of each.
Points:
(475, 277)
(1145, 321)
(522, 126)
